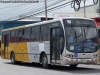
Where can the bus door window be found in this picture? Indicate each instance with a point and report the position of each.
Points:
(6, 43)
(57, 43)
(61, 39)
(53, 44)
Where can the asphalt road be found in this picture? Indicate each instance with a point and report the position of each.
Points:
(6, 68)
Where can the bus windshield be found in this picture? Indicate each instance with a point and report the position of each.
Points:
(81, 38)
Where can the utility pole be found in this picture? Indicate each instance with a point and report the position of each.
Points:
(84, 1)
(99, 8)
(46, 9)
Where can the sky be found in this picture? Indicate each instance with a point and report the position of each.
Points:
(10, 11)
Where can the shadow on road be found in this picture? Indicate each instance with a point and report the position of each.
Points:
(78, 70)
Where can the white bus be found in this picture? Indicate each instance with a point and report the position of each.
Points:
(69, 41)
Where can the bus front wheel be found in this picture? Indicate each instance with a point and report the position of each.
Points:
(74, 65)
(44, 61)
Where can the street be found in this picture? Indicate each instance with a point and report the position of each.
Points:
(6, 68)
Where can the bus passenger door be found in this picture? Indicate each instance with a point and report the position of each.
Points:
(6, 44)
(55, 45)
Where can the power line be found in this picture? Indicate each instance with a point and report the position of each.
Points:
(13, 6)
(28, 8)
(47, 10)
(41, 12)
(18, 12)
(74, 1)
(49, 5)
(39, 9)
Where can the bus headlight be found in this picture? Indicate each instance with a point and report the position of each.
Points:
(96, 55)
(69, 56)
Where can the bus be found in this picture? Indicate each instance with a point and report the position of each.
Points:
(0, 45)
(63, 41)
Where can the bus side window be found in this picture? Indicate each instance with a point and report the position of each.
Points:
(20, 35)
(44, 33)
(32, 34)
(26, 34)
(37, 31)
(12, 36)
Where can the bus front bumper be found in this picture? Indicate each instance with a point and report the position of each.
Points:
(68, 61)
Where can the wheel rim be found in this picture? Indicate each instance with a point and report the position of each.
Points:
(44, 61)
(12, 59)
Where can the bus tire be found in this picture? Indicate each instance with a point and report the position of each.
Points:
(74, 65)
(45, 61)
(13, 58)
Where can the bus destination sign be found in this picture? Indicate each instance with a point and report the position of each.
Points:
(82, 21)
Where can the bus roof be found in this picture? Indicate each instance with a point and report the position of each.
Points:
(14, 28)
(43, 22)
(29, 25)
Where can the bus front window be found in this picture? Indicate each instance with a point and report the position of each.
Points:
(81, 38)
(91, 39)
(74, 39)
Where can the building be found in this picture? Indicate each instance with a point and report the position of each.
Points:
(62, 14)
(55, 15)
(38, 18)
(91, 11)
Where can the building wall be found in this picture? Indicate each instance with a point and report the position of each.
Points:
(31, 19)
(88, 15)
(62, 14)
(11, 24)
(38, 18)
(91, 11)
